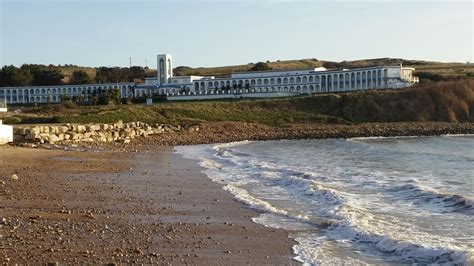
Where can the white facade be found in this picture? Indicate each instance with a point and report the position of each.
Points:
(52, 94)
(6, 132)
(305, 81)
(314, 80)
(164, 68)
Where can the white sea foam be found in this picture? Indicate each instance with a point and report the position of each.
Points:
(457, 135)
(392, 240)
(217, 147)
(433, 199)
(341, 207)
(243, 196)
(377, 138)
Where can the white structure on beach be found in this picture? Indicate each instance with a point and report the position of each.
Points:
(6, 132)
(274, 83)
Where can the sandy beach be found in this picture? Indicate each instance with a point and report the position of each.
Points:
(142, 203)
(150, 206)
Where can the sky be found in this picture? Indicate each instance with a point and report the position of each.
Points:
(228, 32)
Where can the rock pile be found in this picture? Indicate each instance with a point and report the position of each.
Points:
(75, 133)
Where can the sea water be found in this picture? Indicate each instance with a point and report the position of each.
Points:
(362, 200)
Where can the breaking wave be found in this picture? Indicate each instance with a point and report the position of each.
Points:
(346, 213)
(434, 200)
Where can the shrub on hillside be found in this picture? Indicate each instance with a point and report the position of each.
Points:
(443, 101)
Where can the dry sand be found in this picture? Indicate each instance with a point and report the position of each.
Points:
(151, 206)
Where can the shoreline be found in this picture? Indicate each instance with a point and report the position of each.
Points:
(150, 206)
(223, 132)
(228, 131)
(231, 131)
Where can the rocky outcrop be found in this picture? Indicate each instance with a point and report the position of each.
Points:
(75, 133)
(222, 132)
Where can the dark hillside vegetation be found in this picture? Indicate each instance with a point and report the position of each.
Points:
(444, 101)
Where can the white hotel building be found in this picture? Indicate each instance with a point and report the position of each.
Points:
(272, 83)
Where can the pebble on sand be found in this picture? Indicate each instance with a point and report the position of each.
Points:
(14, 177)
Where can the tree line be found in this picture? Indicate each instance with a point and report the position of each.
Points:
(42, 75)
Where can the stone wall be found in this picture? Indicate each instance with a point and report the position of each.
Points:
(74, 133)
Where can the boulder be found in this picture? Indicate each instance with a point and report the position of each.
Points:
(54, 130)
(118, 125)
(104, 127)
(81, 128)
(34, 130)
(52, 138)
(76, 136)
(32, 136)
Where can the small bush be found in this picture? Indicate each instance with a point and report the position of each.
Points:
(69, 105)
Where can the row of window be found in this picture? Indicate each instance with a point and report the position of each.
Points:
(363, 76)
(33, 99)
(59, 90)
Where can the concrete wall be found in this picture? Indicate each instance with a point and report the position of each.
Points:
(6, 133)
(151, 81)
(272, 73)
(229, 96)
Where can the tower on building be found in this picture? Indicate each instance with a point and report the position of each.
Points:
(164, 70)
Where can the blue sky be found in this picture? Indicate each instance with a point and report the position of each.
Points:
(226, 32)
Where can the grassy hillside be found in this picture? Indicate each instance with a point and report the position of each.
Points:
(427, 70)
(68, 70)
(443, 101)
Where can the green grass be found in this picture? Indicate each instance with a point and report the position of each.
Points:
(196, 112)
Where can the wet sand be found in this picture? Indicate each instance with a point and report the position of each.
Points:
(150, 206)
